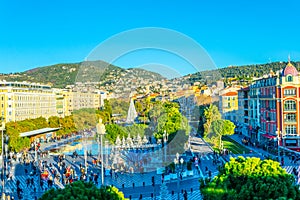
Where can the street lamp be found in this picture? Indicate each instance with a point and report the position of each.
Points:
(101, 131)
(165, 143)
(278, 144)
(178, 161)
(85, 152)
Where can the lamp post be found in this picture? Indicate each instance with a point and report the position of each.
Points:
(2, 156)
(278, 145)
(101, 131)
(85, 152)
(178, 161)
(165, 145)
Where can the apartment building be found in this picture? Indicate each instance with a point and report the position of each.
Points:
(274, 107)
(243, 111)
(77, 99)
(228, 103)
(22, 100)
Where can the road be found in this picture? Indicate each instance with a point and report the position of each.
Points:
(188, 185)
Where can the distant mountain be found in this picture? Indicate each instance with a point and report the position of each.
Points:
(61, 75)
(120, 80)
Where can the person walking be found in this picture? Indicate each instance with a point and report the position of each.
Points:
(185, 195)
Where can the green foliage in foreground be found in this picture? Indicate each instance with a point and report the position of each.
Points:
(83, 191)
(250, 178)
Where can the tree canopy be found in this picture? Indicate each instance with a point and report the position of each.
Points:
(211, 113)
(250, 178)
(83, 191)
(212, 127)
(167, 118)
(221, 128)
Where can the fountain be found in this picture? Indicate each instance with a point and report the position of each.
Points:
(132, 114)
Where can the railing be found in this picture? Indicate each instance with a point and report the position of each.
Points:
(290, 121)
(290, 109)
(265, 96)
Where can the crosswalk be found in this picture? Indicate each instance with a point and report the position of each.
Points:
(290, 170)
(190, 195)
(28, 190)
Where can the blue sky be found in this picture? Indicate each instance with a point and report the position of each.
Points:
(40, 33)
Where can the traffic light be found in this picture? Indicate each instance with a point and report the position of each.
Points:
(153, 183)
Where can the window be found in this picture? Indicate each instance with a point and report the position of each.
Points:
(289, 78)
(290, 92)
(290, 129)
(290, 117)
(289, 105)
(291, 142)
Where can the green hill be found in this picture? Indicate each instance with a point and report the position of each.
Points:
(61, 75)
(241, 73)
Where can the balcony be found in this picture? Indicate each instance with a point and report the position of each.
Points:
(291, 135)
(270, 96)
(290, 121)
(290, 109)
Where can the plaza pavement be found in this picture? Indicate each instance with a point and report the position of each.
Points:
(123, 181)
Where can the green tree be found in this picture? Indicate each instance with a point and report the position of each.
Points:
(113, 131)
(85, 118)
(211, 113)
(250, 178)
(53, 122)
(221, 128)
(135, 129)
(119, 106)
(169, 119)
(83, 191)
(107, 106)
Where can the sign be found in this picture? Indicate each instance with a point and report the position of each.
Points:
(291, 141)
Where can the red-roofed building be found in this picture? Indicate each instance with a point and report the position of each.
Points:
(228, 104)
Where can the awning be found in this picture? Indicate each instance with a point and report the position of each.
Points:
(37, 132)
(269, 136)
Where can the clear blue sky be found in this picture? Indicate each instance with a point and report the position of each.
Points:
(40, 33)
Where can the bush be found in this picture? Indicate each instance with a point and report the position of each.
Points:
(189, 165)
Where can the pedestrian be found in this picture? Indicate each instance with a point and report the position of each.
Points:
(18, 183)
(31, 181)
(185, 195)
(41, 184)
(27, 182)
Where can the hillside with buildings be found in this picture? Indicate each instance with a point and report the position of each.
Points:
(242, 74)
(98, 73)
